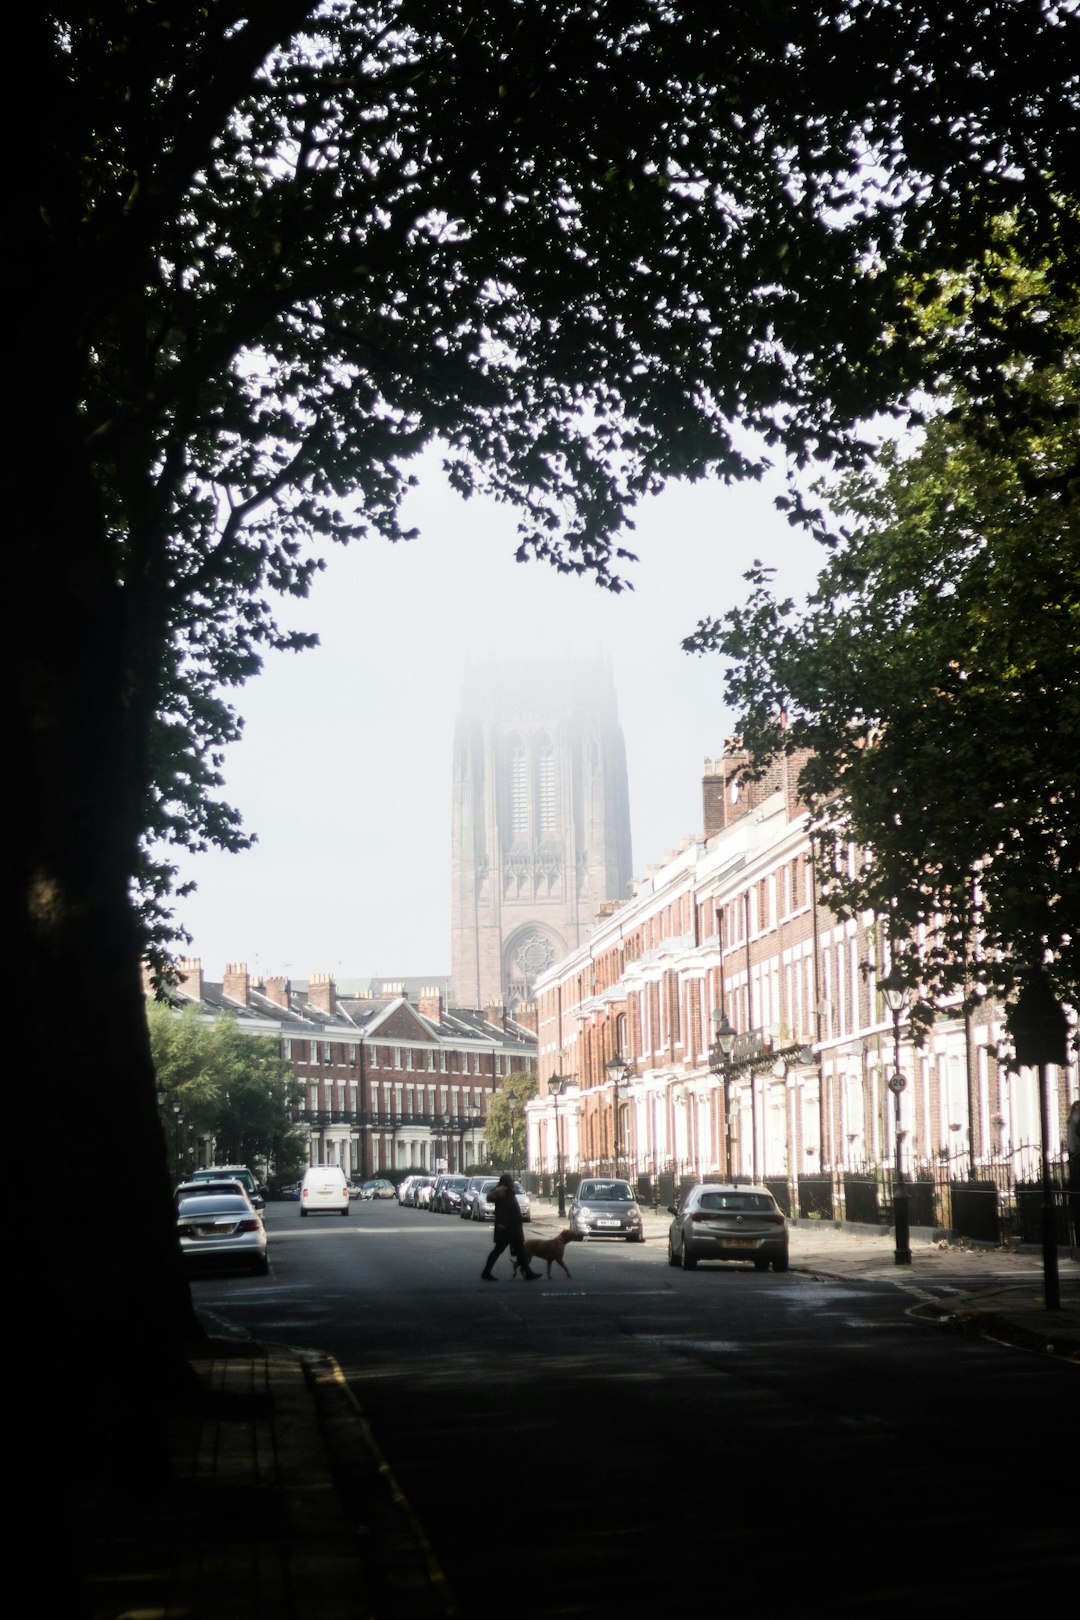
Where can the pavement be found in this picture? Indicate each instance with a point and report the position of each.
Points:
(282, 1507)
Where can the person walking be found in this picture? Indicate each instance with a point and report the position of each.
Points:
(509, 1229)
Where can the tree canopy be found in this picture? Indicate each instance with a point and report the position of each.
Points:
(259, 256)
(216, 1080)
(283, 249)
(504, 1125)
(935, 676)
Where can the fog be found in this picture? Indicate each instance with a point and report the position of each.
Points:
(344, 769)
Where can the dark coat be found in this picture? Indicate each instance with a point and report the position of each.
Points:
(507, 1214)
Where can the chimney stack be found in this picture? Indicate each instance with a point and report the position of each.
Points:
(236, 984)
(277, 991)
(322, 992)
(430, 1003)
(189, 976)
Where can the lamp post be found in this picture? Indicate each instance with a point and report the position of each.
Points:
(512, 1106)
(557, 1084)
(894, 993)
(1039, 1029)
(469, 1123)
(621, 1073)
(720, 1065)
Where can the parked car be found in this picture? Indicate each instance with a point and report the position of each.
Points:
(474, 1204)
(449, 1194)
(524, 1204)
(211, 1189)
(716, 1222)
(355, 1189)
(425, 1186)
(603, 1207)
(378, 1188)
(234, 1172)
(221, 1229)
(291, 1192)
(324, 1188)
(406, 1193)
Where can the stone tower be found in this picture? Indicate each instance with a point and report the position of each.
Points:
(541, 822)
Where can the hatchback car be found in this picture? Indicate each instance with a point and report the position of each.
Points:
(607, 1208)
(221, 1229)
(474, 1200)
(231, 1172)
(210, 1189)
(378, 1188)
(728, 1223)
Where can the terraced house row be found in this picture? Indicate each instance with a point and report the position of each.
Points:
(393, 1078)
(727, 936)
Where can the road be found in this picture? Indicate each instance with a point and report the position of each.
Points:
(640, 1435)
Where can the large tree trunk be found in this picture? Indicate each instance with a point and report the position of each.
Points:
(118, 1301)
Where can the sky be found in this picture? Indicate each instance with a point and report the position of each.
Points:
(344, 769)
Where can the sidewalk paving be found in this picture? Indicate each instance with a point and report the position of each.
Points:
(283, 1508)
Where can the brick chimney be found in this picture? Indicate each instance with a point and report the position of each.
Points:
(322, 992)
(430, 1003)
(495, 1014)
(189, 976)
(723, 798)
(277, 991)
(525, 1015)
(236, 983)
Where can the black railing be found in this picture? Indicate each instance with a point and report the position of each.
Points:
(440, 1124)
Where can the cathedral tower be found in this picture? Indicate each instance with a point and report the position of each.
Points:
(541, 822)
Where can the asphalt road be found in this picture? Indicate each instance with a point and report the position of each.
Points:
(643, 1436)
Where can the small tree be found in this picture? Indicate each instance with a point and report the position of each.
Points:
(504, 1128)
(216, 1081)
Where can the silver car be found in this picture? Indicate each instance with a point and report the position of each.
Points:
(603, 1207)
(221, 1229)
(716, 1222)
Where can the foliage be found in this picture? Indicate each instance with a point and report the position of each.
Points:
(216, 1080)
(935, 675)
(281, 250)
(504, 1127)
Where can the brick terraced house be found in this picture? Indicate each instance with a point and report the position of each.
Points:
(390, 1082)
(731, 926)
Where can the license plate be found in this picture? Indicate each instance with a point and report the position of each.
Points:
(740, 1243)
(608, 1223)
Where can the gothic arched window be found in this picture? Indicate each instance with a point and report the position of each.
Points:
(546, 818)
(519, 788)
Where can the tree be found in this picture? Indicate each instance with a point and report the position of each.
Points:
(935, 675)
(258, 258)
(216, 1080)
(504, 1127)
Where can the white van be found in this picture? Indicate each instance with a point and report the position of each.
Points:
(324, 1187)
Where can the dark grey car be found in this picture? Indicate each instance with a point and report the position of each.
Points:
(607, 1207)
(728, 1223)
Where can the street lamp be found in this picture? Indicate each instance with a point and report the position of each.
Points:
(720, 1065)
(621, 1074)
(512, 1106)
(894, 993)
(557, 1084)
(1038, 1026)
(469, 1122)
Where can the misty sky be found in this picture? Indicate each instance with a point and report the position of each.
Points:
(344, 769)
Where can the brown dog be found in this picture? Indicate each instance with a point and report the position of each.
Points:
(549, 1249)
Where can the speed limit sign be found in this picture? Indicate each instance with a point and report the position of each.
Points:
(897, 1083)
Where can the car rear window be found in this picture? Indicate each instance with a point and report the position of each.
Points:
(214, 1204)
(745, 1202)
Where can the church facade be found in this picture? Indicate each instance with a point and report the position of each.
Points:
(541, 822)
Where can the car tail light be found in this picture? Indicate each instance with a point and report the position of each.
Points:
(773, 1220)
(252, 1225)
(185, 1231)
